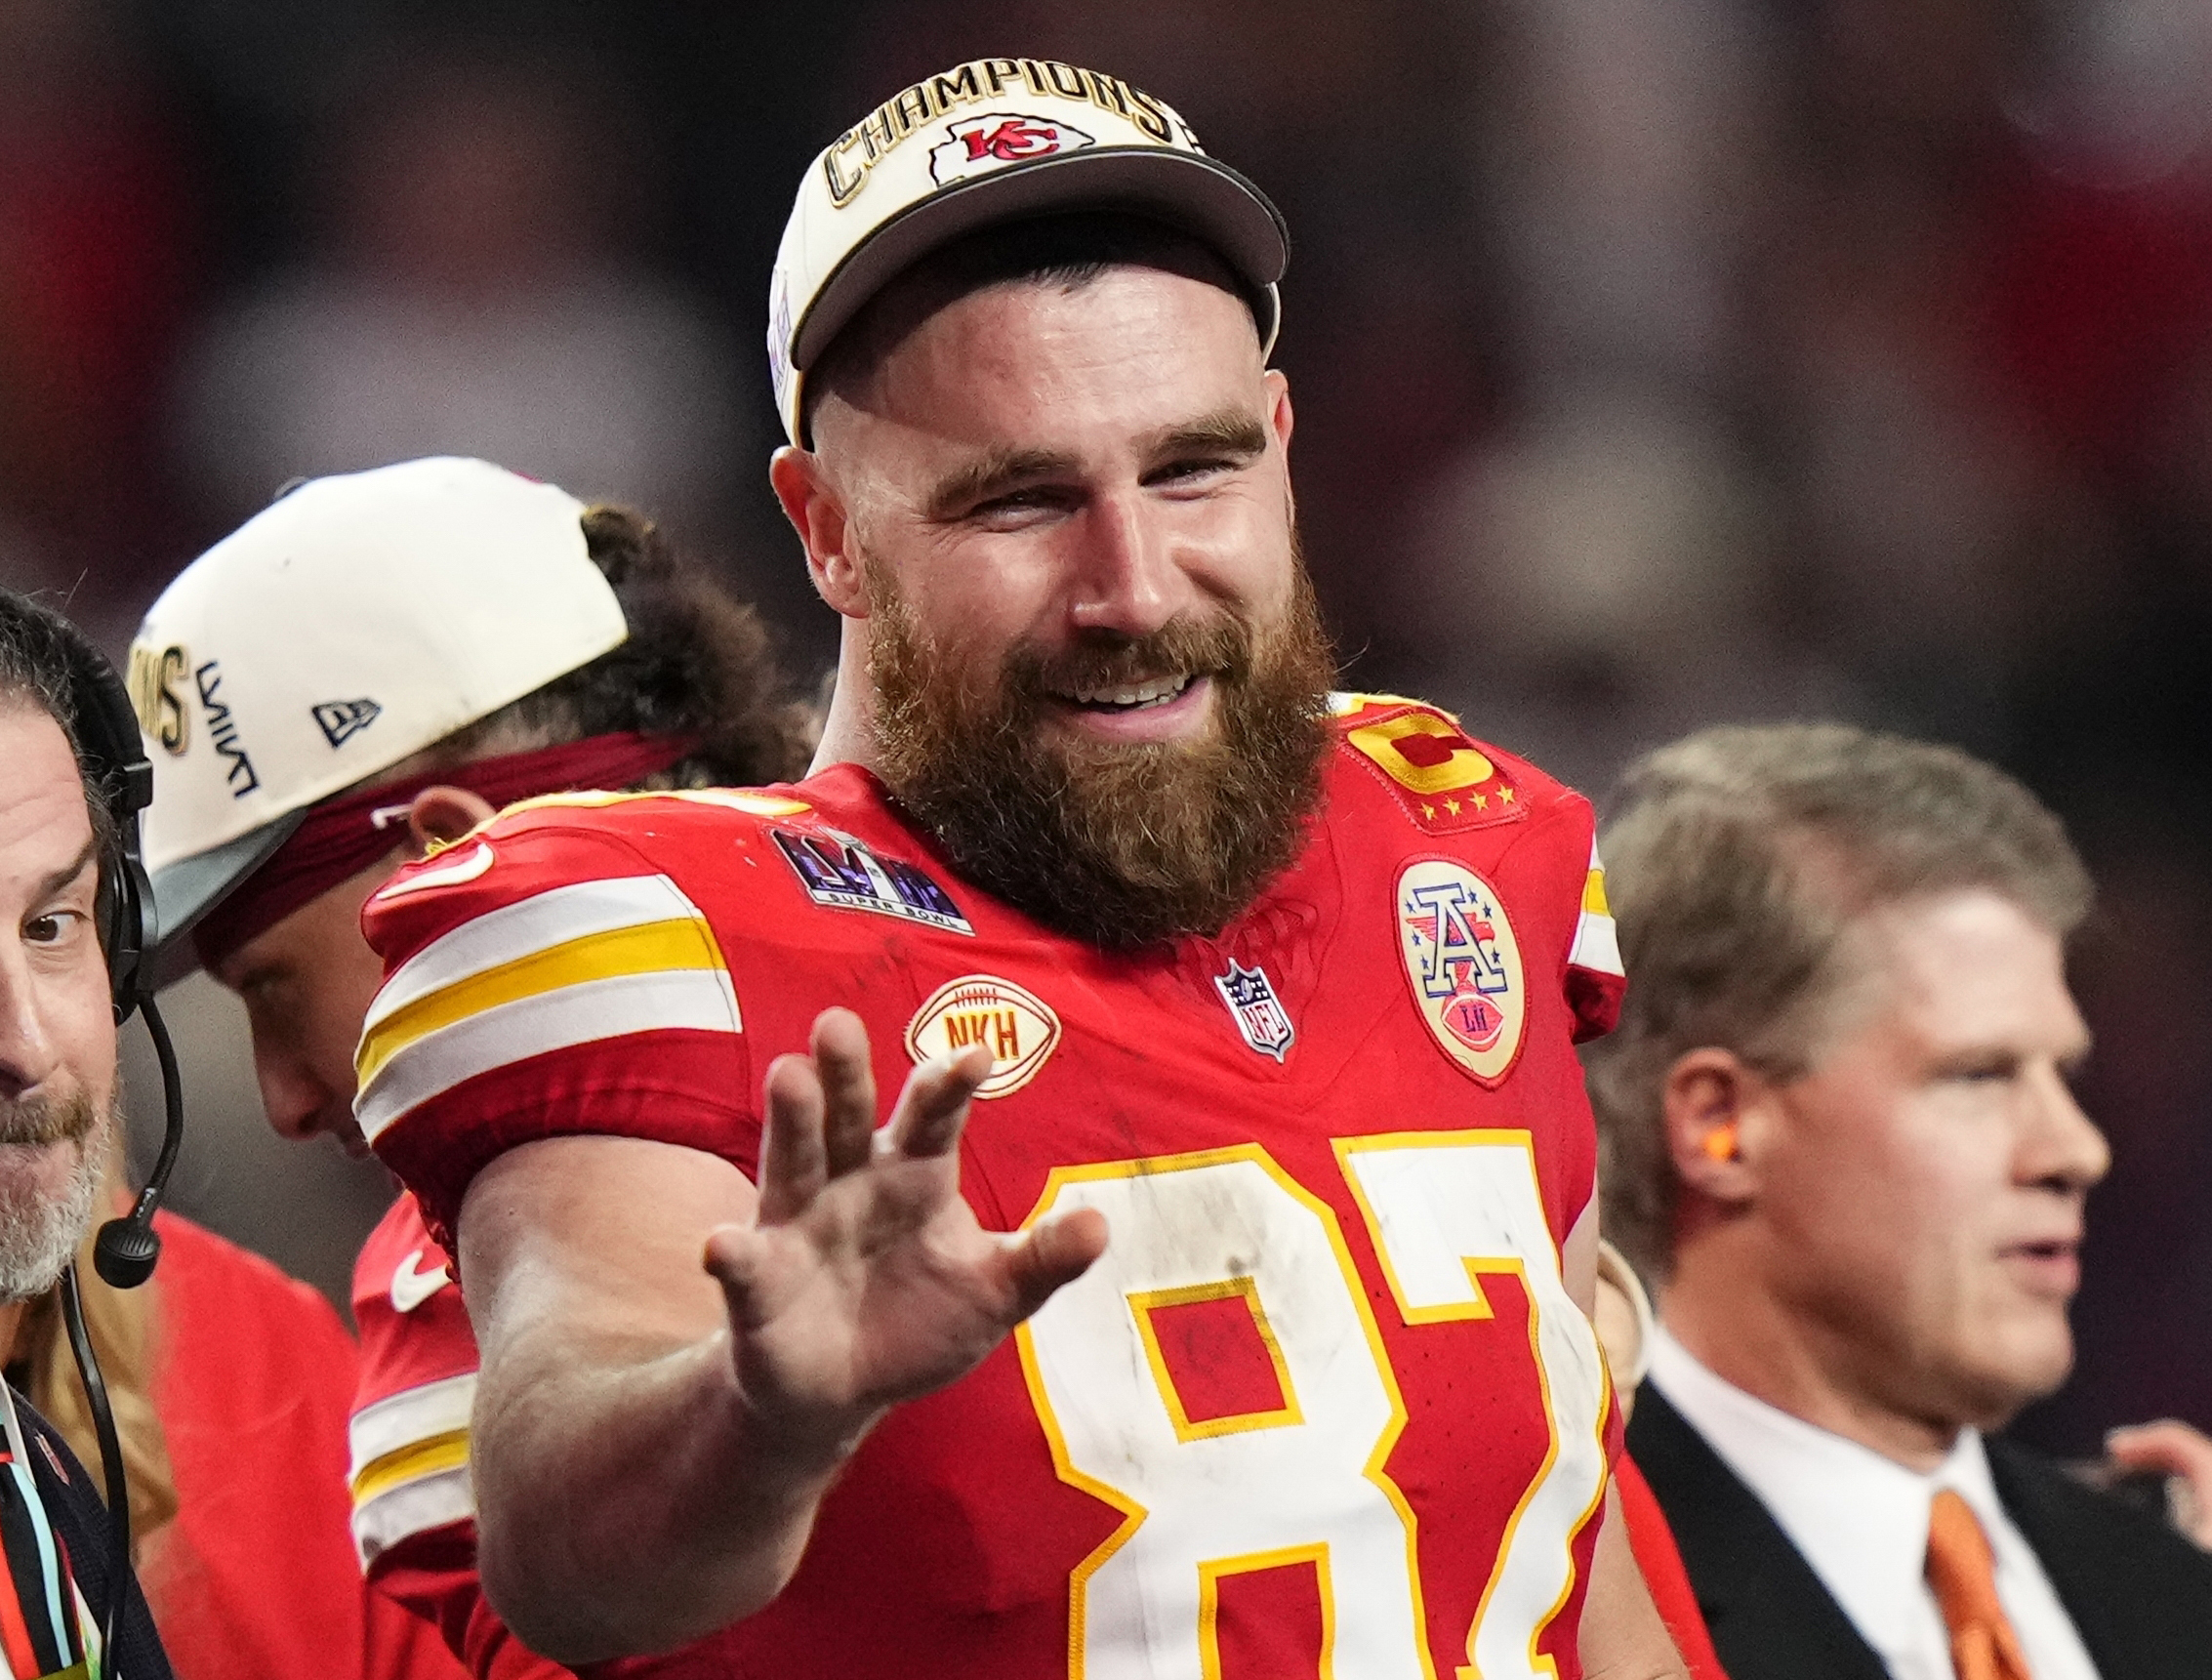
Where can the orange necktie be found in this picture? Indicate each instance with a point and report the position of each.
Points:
(1962, 1570)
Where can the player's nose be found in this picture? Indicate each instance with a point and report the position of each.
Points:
(295, 1102)
(29, 1054)
(1126, 580)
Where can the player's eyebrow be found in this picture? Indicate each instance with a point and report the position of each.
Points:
(1227, 431)
(990, 474)
(52, 883)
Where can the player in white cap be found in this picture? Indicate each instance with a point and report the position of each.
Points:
(1211, 1300)
(371, 665)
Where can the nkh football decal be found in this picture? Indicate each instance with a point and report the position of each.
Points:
(1463, 965)
(1255, 1009)
(979, 145)
(1018, 1026)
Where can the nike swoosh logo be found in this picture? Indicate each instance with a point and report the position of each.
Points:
(411, 1288)
(467, 867)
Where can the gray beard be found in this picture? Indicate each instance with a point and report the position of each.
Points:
(38, 1234)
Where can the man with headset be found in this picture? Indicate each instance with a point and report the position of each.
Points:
(69, 812)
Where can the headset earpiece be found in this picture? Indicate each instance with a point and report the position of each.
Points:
(107, 736)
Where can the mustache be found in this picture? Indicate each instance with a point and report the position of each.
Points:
(42, 1119)
(1220, 647)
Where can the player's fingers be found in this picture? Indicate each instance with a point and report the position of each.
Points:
(746, 1269)
(934, 1106)
(839, 1045)
(1055, 1253)
(2166, 1445)
(794, 1165)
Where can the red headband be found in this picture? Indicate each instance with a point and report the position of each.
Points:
(344, 836)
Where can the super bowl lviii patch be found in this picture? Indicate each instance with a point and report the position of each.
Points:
(843, 872)
(1018, 1026)
(1463, 965)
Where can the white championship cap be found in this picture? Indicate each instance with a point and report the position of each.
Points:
(995, 139)
(345, 627)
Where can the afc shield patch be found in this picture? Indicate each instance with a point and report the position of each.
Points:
(1463, 965)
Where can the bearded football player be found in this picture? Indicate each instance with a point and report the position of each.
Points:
(1208, 1299)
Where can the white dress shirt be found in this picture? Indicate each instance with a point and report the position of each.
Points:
(1861, 1521)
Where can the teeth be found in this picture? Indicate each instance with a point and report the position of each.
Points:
(1154, 693)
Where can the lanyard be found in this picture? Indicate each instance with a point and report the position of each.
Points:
(45, 1626)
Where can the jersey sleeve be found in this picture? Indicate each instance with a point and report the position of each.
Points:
(545, 977)
(409, 1431)
(414, 1513)
(1595, 978)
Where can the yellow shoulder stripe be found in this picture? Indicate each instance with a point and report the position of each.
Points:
(412, 1462)
(675, 944)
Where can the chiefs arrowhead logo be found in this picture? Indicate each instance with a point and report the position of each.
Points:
(978, 144)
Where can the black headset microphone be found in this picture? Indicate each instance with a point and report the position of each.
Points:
(125, 1251)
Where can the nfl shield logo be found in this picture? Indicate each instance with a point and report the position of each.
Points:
(1258, 1013)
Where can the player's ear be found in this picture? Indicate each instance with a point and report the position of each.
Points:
(817, 512)
(1280, 419)
(1709, 1104)
(441, 815)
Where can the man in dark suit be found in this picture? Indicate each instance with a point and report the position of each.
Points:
(1838, 1135)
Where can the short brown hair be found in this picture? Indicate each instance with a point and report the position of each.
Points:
(1735, 861)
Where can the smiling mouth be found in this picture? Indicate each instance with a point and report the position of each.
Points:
(1130, 696)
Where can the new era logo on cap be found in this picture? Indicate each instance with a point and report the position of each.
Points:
(341, 719)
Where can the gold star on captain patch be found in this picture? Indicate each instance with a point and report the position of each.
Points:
(1505, 795)
(1429, 811)
(1452, 805)
(1482, 802)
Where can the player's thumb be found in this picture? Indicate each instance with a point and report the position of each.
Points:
(1053, 1254)
(743, 1264)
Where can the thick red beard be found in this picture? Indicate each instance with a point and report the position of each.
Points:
(1118, 844)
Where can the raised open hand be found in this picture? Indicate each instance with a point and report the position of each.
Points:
(865, 1279)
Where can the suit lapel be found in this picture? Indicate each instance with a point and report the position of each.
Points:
(1769, 1616)
(2138, 1594)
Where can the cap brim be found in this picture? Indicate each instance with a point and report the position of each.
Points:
(192, 886)
(1190, 191)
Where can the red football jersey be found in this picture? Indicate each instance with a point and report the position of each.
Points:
(414, 1513)
(252, 1376)
(1323, 1406)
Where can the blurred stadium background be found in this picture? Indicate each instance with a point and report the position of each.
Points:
(1656, 364)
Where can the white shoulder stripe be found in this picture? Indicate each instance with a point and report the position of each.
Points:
(412, 1414)
(699, 999)
(1597, 944)
(527, 927)
(410, 1509)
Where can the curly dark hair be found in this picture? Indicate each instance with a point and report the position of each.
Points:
(697, 661)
